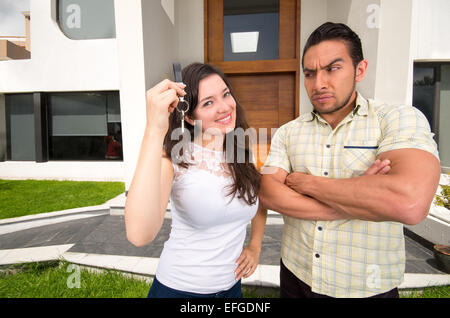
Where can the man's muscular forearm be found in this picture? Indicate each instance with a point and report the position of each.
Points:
(367, 197)
(276, 196)
(403, 195)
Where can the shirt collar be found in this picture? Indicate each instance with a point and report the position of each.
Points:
(361, 107)
(307, 116)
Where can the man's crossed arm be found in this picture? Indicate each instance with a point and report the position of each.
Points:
(400, 190)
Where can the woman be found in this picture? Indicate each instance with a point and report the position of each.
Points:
(213, 196)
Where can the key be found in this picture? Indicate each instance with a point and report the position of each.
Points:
(178, 78)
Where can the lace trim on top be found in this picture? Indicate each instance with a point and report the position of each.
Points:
(200, 158)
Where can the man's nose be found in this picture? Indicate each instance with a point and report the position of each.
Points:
(320, 81)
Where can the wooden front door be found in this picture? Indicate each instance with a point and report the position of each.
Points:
(267, 89)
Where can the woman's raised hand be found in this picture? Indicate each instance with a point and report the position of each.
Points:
(161, 101)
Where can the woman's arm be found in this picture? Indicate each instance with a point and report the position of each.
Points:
(249, 258)
(149, 191)
(150, 188)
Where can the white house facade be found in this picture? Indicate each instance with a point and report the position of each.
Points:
(82, 90)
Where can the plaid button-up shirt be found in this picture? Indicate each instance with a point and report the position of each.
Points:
(346, 258)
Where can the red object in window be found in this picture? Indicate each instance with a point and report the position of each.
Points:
(114, 148)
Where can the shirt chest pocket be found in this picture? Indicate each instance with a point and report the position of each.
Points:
(358, 156)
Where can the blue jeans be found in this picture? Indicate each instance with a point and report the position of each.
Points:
(158, 290)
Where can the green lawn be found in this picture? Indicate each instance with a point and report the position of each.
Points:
(59, 280)
(429, 292)
(26, 197)
(63, 280)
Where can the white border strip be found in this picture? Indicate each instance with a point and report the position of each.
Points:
(20, 226)
(33, 254)
(54, 214)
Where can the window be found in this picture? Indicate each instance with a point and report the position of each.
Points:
(20, 135)
(84, 126)
(87, 19)
(250, 30)
(431, 94)
(67, 126)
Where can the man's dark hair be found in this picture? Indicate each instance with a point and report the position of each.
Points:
(337, 31)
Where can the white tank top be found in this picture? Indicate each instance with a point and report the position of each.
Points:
(208, 231)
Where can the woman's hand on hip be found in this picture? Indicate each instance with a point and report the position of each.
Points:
(247, 262)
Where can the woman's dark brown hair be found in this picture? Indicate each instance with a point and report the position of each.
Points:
(245, 175)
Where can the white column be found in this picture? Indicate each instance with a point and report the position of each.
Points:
(130, 50)
(394, 75)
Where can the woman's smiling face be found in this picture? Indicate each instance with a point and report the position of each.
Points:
(216, 108)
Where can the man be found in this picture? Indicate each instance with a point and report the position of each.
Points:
(343, 231)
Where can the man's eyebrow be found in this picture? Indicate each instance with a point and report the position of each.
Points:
(339, 59)
(208, 97)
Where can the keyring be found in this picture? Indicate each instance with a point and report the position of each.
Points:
(183, 101)
(182, 111)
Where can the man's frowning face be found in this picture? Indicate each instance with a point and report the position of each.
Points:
(330, 75)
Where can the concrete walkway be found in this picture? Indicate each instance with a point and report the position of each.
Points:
(95, 237)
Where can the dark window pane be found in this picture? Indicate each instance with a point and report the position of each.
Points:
(431, 86)
(424, 90)
(85, 126)
(250, 30)
(77, 148)
(20, 127)
(444, 116)
(78, 114)
(113, 107)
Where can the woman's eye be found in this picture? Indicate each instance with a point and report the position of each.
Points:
(226, 94)
(207, 103)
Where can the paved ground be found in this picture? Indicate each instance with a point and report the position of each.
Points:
(105, 234)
